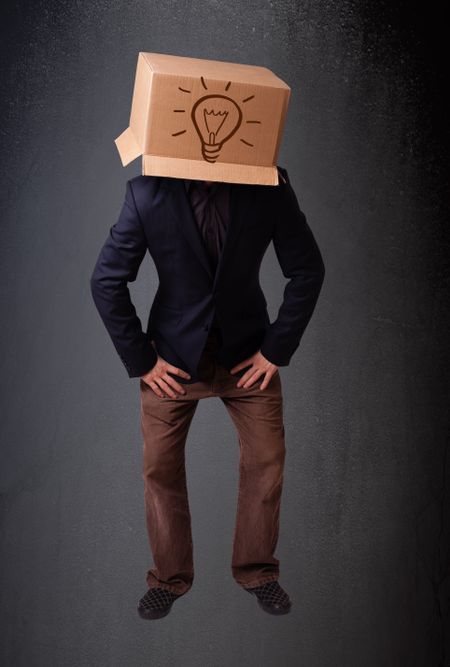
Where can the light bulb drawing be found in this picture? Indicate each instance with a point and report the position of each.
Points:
(216, 119)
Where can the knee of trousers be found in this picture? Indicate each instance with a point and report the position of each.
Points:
(271, 455)
(162, 466)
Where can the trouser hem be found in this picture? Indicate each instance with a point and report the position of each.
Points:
(171, 589)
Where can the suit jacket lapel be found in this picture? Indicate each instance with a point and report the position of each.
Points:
(179, 206)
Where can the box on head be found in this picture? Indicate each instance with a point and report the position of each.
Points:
(205, 119)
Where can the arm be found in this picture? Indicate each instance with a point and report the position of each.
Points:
(301, 261)
(118, 264)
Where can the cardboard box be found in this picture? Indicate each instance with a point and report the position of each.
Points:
(205, 119)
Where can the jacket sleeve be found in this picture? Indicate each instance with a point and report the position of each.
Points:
(301, 261)
(118, 264)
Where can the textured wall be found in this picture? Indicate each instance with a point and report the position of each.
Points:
(364, 537)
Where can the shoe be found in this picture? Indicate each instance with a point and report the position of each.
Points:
(156, 603)
(271, 597)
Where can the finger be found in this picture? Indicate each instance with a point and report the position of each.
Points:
(244, 377)
(252, 379)
(247, 377)
(165, 387)
(173, 383)
(178, 371)
(241, 364)
(155, 388)
(266, 380)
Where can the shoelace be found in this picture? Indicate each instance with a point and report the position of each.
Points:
(270, 593)
(157, 598)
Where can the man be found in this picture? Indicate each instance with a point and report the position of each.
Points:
(209, 334)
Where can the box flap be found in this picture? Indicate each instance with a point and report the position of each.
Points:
(128, 147)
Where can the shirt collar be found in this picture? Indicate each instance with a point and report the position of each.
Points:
(212, 188)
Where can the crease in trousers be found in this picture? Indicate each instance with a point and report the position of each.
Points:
(258, 418)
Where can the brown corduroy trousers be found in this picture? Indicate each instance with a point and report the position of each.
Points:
(258, 418)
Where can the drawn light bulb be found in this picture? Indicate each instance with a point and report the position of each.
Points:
(216, 118)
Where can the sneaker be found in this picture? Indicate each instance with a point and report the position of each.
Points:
(271, 597)
(156, 603)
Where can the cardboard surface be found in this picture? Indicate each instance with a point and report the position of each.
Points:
(205, 119)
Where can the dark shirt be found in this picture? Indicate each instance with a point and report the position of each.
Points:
(210, 206)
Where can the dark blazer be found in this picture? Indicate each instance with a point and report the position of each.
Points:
(157, 217)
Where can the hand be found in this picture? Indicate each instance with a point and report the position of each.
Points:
(259, 366)
(159, 379)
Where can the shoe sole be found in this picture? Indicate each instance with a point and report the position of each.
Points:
(274, 610)
(150, 615)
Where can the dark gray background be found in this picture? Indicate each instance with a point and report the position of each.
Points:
(364, 545)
